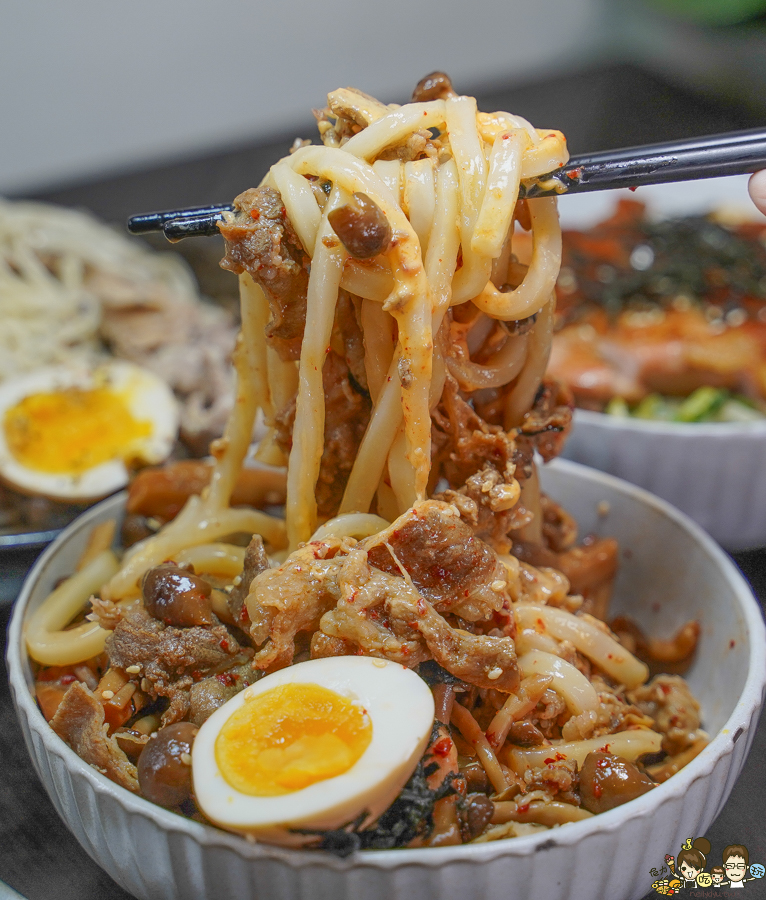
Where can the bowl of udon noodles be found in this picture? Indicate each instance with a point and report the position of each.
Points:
(428, 664)
(660, 335)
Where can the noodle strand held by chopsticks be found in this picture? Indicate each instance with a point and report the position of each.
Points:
(538, 349)
(467, 150)
(540, 280)
(420, 199)
(501, 193)
(308, 431)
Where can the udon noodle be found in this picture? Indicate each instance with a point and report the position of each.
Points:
(396, 348)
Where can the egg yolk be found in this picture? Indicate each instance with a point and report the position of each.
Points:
(290, 737)
(71, 431)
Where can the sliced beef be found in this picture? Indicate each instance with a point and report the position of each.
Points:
(353, 338)
(79, 721)
(171, 659)
(480, 463)
(464, 443)
(261, 241)
(445, 561)
(487, 661)
(549, 421)
(361, 620)
(291, 599)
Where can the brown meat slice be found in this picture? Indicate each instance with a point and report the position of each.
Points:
(261, 241)
(549, 421)
(361, 620)
(171, 659)
(480, 463)
(446, 562)
(353, 338)
(79, 721)
(347, 411)
(291, 599)
(464, 443)
(487, 661)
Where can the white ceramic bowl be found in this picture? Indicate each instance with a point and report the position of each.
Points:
(713, 472)
(671, 571)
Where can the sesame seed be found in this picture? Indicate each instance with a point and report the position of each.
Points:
(186, 759)
(495, 673)
(498, 586)
(133, 670)
(107, 695)
(603, 508)
(237, 581)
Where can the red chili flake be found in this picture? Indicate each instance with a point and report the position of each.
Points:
(604, 749)
(575, 173)
(539, 626)
(226, 679)
(421, 606)
(610, 656)
(732, 644)
(553, 759)
(243, 616)
(633, 189)
(442, 747)
(223, 644)
(597, 791)
(523, 808)
(67, 679)
(283, 212)
(665, 688)
(255, 214)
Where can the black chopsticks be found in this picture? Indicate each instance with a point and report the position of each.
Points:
(733, 153)
(197, 221)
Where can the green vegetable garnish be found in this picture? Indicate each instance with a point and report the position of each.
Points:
(617, 407)
(701, 405)
(655, 406)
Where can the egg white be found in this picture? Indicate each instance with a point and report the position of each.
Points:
(401, 709)
(147, 397)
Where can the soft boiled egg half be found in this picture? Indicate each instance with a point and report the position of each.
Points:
(70, 433)
(312, 747)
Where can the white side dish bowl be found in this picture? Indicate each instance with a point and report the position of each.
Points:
(711, 471)
(670, 572)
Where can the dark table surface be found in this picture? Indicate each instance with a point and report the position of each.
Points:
(611, 106)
